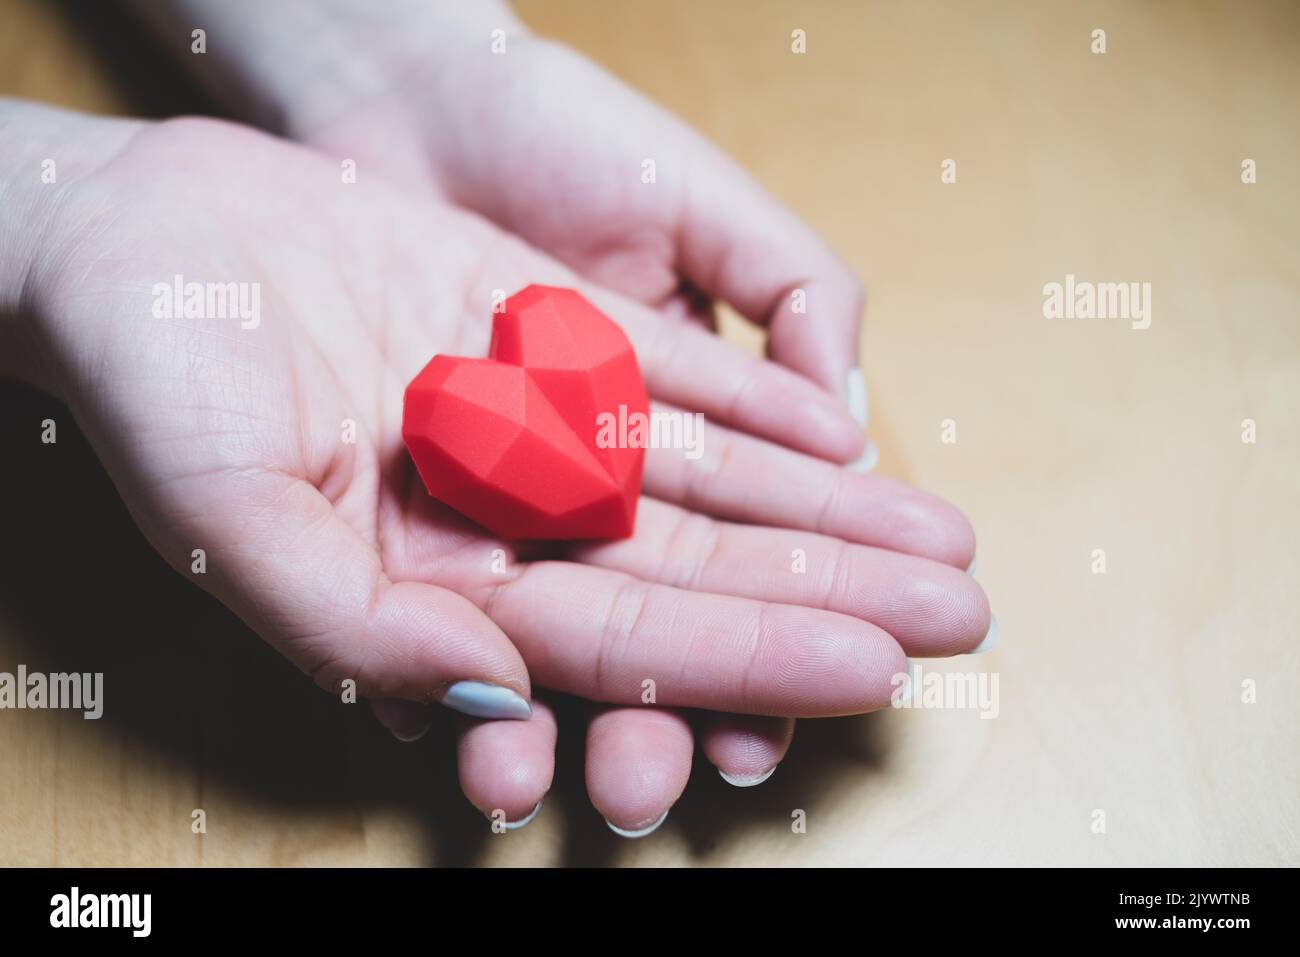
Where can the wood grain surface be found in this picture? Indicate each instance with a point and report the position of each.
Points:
(1119, 692)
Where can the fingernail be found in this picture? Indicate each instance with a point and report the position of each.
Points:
(857, 389)
(742, 781)
(867, 460)
(636, 832)
(990, 639)
(405, 720)
(481, 700)
(409, 736)
(516, 825)
(971, 569)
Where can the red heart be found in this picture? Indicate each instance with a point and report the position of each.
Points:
(514, 441)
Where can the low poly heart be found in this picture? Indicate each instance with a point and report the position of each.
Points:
(514, 442)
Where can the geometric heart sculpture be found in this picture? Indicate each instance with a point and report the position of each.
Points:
(519, 442)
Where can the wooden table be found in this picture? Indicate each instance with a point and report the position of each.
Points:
(1120, 692)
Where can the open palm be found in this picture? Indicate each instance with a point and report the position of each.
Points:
(275, 448)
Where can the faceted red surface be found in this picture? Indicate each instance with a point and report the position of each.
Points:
(510, 441)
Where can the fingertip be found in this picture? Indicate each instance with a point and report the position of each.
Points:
(940, 611)
(804, 415)
(745, 749)
(508, 766)
(429, 643)
(815, 329)
(822, 664)
(638, 763)
(915, 522)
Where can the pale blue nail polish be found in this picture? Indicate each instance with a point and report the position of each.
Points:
(516, 825)
(407, 737)
(635, 832)
(481, 700)
(990, 639)
(746, 781)
(867, 460)
(858, 404)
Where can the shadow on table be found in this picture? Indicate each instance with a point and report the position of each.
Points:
(184, 677)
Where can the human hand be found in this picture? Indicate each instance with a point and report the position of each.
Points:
(463, 102)
(552, 148)
(228, 439)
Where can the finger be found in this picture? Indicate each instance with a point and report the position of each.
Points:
(745, 479)
(745, 749)
(314, 588)
(603, 635)
(743, 247)
(638, 762)
(506, 767)
(931, 609)
(688, 366)
(407, 720)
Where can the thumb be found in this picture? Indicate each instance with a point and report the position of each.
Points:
(315, 589)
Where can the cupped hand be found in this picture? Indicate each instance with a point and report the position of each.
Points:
(554, 149)
(275, 447)
(551, 147)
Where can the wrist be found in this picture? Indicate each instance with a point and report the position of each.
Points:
(45, 154)
(30, 154)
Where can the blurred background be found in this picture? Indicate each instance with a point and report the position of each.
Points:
(1120, 691)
